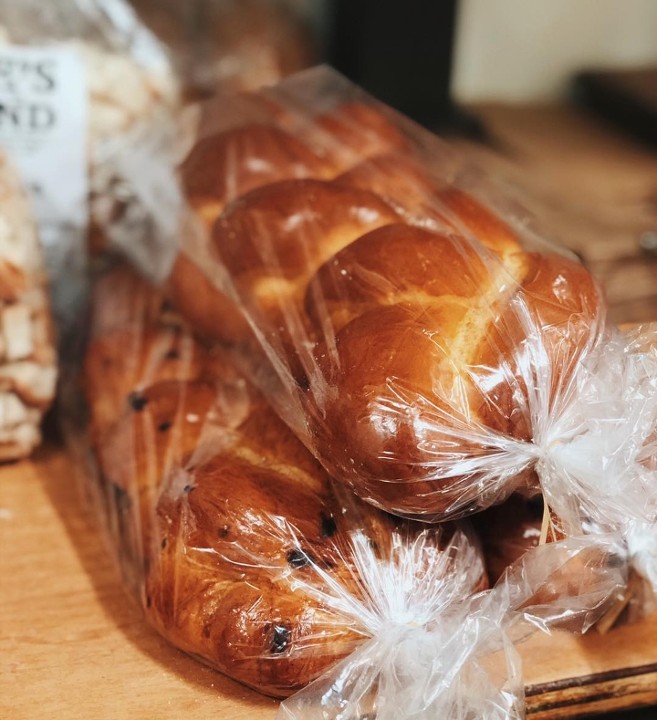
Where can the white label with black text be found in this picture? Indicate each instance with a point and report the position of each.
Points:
(43, 128)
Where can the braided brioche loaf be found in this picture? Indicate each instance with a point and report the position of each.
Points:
(401, 310)
(218, 510)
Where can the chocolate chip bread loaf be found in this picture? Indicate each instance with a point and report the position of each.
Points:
(221, 515)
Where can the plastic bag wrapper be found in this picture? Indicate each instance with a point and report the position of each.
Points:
(415, 332)
(462, 662)
(423, 340)
(28, 364)
(230, 45)
(600, 472)
(88, 88)
(246, 555)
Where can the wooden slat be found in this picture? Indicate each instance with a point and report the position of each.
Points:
(570, 677)
(580, 697)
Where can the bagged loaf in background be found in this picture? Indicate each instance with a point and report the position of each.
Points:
(28, 360)
(89, 99)
(227, 46)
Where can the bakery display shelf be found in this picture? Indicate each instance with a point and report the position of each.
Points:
(73, 645)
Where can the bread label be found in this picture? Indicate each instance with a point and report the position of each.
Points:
(43, 121)
(43, 128)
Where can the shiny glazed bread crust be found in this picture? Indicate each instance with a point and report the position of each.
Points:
(217, 508)
(397, 305)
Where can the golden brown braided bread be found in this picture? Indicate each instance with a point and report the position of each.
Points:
(218, 509)
(222, 167)
(402, 308)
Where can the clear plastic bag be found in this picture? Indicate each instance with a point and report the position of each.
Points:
(231, 45)
(89, 95)
(245, 554)
(28, 363)
(401, 316)
(409, 323)
(599, 473)
(459, 660)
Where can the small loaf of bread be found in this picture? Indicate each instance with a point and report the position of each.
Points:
(404, 316)
(28, 363)
(221, 515)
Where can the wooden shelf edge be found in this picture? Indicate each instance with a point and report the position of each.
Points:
(619, 689)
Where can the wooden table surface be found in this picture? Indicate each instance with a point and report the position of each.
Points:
(72, 645)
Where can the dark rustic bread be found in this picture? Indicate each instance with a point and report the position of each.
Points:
(508, 531)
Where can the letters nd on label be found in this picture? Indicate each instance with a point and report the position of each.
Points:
(27, 87)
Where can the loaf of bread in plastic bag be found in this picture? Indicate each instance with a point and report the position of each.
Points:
(28, 363)
(403, 316)
(220, 514)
